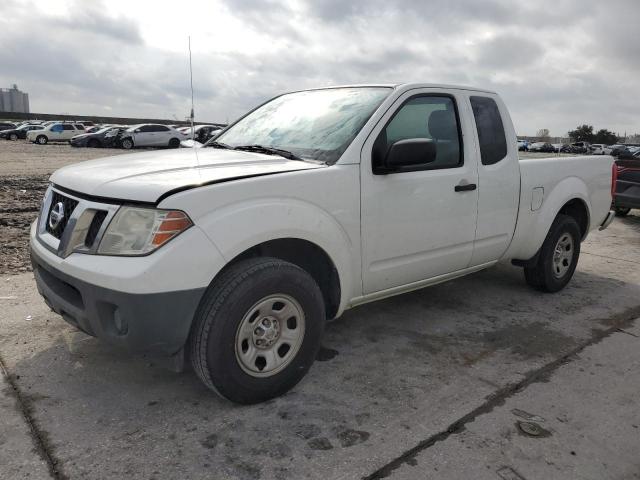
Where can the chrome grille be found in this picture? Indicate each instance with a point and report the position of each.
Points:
(81, 227)
(68, 205)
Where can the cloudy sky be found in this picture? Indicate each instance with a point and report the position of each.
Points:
(557, 63)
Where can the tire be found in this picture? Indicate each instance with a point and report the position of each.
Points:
(174, 143)
(13, 137)
(622, 211)
(558, 256)
(241, 297)
(42, 139)
(93, 143)
(127, 143)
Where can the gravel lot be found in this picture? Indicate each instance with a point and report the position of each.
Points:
(438, 383)
(24, 172)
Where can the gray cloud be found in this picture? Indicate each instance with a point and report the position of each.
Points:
(557, 63)
(88, 18)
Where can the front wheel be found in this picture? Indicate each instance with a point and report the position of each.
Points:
(258, 330)
(558, 256)
(127, 143)
(622, 211)
(42, 140)
(13, 137)
(174, 143)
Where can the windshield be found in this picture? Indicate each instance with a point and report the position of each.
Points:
(317, 124)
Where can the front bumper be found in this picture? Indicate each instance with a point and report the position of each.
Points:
(78, 143)
(156, 322)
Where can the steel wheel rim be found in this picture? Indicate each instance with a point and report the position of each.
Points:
(563, 255)
(270, 335)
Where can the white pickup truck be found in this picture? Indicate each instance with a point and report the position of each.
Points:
(234, 256)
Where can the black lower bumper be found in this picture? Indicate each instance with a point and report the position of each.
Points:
(627, 201)
(154, 322)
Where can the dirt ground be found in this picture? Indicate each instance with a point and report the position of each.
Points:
(24, 173)
(434, 384)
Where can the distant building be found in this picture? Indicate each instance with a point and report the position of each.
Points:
(13, 100)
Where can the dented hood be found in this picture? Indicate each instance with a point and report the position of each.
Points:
(147, 176)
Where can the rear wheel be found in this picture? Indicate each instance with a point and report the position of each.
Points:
(13, 137)
(258, 330)
(622, 212)
(558, 257)
(127, 143)
(42, 139)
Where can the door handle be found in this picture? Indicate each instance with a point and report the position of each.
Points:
(465, 187)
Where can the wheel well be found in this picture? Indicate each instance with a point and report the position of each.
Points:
(577, 209)
(308, 256)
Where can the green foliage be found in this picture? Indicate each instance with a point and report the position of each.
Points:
(583, 133)
(605, 137)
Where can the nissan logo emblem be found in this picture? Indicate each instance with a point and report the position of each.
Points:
(56, 215)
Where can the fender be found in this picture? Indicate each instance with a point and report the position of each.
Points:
(532, 227)
(275, 218)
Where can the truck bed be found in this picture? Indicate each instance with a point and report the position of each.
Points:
(547, 184)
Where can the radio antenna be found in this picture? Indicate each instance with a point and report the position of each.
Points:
(193, 133)
(193, 130)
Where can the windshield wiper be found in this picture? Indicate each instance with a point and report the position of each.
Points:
(219, 145)
(269, 150)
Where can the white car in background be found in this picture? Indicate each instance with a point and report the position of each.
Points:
(55, 132)
(152, 135)
(597, 149)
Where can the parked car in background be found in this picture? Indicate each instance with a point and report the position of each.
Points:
(234, 256)
(202, 132)
(618, 150)
(607, 149)
(597, 149)
(541, 147)
(633, 149)
(627, 190)
(523, 145)
(7, 126)
(580, 147)
(29, 122)
(55, 132)
(19, 132)
(152, 135)
(108, 137)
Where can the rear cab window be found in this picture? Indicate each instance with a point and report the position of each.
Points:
(491, 135)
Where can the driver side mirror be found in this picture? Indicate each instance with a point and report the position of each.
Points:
(410, 154)
(137, 130)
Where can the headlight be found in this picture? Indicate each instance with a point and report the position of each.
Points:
(138, 231)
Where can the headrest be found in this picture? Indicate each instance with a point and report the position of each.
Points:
(442, 125)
